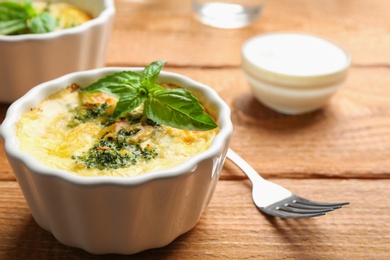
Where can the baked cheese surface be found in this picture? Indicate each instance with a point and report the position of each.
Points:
(67, 15)
(73, 131)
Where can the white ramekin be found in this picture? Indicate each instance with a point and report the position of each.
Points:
(30, 59)
(294, 73)
(116, 214)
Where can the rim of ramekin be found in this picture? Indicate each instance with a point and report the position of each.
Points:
(103, 17)
(299, 81)
(36, 94)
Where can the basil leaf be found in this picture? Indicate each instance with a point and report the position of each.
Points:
(177, 108)
(29, 8)
(17, 18)
(151, 72)
(42, 23)
(12, 18)
(155, 88)
(116, 84)
(12, 26)
(128, 102)
(12, 11)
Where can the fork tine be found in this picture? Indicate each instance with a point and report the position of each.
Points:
(304, 206)
(294, 207)
(303, 211)
(302, 201)
(284, 214)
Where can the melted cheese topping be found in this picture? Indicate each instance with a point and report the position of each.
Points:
(51, 134)
(67, 15)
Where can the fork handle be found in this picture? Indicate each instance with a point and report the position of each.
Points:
(244, 166)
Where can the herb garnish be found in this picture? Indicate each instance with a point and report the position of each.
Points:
(87, 113)
(176, 108)
(23, 18)
(114, 153)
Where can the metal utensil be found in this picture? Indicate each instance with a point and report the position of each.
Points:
(277, 201)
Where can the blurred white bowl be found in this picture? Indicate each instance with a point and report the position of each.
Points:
(116, 214)
(30, 59)
(294, 73)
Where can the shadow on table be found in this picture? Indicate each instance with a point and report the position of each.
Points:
(248, 110)
(3, 110)
(33, 242)
(300, 236)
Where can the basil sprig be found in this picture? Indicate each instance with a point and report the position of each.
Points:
(176, 108)
(23, 18)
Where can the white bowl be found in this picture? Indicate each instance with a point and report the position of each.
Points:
(30, 59)
(290, 101)
(294, 73)
(117, 214)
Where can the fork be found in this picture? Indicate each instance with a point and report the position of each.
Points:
(277, 201)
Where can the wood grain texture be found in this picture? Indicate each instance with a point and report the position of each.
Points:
(167, 29)
(341, 152)
(232, 228)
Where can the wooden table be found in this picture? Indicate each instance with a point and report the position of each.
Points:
(341, 152)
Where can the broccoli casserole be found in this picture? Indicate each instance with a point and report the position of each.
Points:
(74, 131)
(67, 15)
(35, 17)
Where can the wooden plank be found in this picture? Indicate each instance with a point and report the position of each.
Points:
(148, 30)
(231, 227)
